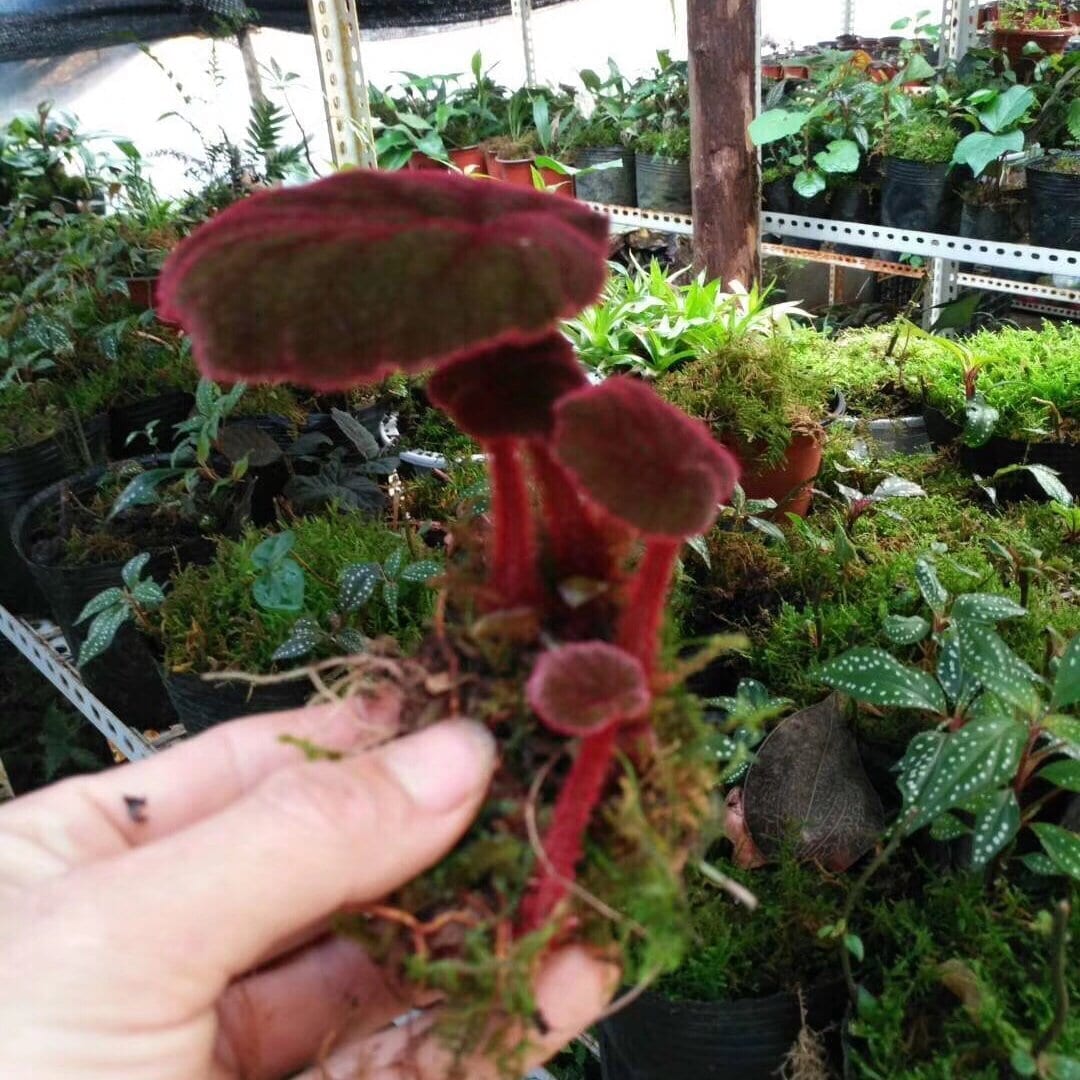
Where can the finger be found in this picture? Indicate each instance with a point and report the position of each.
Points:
(90, 818)
(307, 841)
(276, 1021)
(572, 991)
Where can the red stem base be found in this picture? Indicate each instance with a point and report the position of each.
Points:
(514, 572)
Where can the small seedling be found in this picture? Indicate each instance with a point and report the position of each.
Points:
(113, 607)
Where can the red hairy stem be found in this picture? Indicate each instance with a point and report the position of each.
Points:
(578, 547)
(564, 841)
(643, 613)
(513, 563)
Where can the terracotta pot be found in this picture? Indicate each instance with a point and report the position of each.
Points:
(790, 482)
(469, 157)
(519, 173)
(796, 71)
(772, 71)
(492, 166)
(141, 291)
(987, 14)
(1012, 42)
(421, 162)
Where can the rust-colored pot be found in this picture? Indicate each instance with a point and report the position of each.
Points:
(796, 71)
(422, 163)
(519, 173)
(772, 71)
(469, 157)
(1012, 42)
(141, 291)
(790, 483)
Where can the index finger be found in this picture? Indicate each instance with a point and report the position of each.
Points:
(94, 817)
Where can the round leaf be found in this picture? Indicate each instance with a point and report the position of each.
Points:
(339, 282)
(774, 124)
(582, 688)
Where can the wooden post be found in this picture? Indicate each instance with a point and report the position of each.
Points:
(724, 80)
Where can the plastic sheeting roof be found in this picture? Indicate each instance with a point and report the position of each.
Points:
(37, 28)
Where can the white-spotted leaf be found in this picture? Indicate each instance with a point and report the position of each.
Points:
(358, 583)
(941, 771)
(1062, 774)
(986, 608)
(350, 640)
(105, 599)
(1066, 730)
(980, 419)
(959, 685)
(934, 593)
(392, 565)
(302, 640)
(906, 630)
(876, 677)
(996, 666)
(390, 598)
(1067, 680)
(948, 827)
(103, 631)
(133, 569)
(148, 594)
(997, 821)
(896, 487)
(1062, 846)
(420, 571)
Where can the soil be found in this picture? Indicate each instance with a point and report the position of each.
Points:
(77, 532)
(1064, 166)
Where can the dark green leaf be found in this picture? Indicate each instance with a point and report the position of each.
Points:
(906, 631)
(105, 599)
(142, 491)
(874, 676)
(997, 821)
(986, 608)
(148, 595)
(103, 631)
(934, 593)
(280, 587)
(393, 562)
(1067, 680)
(302, 640)
(941, 771)
(996, 666)
(948, 827)
(363, 441)
(1062, 846)
(1062, 774)
(358, 583)
(133, 569)
(420, 571)
(980, 419)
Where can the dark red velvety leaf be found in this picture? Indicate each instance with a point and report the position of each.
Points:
(580, 689)
(339, 282)
(642, 459)
(509, 391)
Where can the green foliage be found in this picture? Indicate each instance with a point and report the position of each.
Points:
(210, 620)
(279, 581)
(61, 747)
(113, 607)
(750, 395)
(923, 138)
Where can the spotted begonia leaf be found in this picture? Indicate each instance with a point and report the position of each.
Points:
(1062, 846)
(1062, 774)
(493, 394)
(133, 569)
(942, 770)
(986, 607)
(997, 821)
(878, 678)
(103, 631)
(906, 631)
(107, 598)
(303, 638)
(1067, 680)
(357, 583)
(642, 459)
(934, 593)
(337, 283)
(584, 687)
(996, 666)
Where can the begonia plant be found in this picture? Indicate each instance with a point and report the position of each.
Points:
(550, 625)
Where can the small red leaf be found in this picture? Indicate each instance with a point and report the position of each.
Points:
(582, 688)
(642, 459)
(509, 391)
(339, 282)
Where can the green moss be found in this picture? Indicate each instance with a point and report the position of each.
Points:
(918, 1028)
(925, 139)
(749, 393)
(738, 953)
(672, 145)
(265, 400)
(1016, 367)
(210, 621)
(29, 412)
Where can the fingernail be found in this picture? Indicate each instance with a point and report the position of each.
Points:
(443, 766)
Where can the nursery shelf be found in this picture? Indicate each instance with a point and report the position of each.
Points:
(44, 646)
(834, 258)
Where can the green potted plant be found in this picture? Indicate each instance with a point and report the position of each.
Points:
(475, 117)
(918, 146)
(998, 118)
(264, 604)
(525, 154)
(660, 114)
(601, 137)
(1024, 23)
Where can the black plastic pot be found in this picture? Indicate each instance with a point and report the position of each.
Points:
(1054, 206)
(131, 420)
(657, 1039)
(23, 473)
(663, 184)
(854, 203)
(615, 187)
(913, 196)
(777, 196)
(200, 704)
(125, 677)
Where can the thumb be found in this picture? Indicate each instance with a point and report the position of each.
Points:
(304, 843)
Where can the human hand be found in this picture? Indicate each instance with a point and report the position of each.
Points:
(184, 936)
